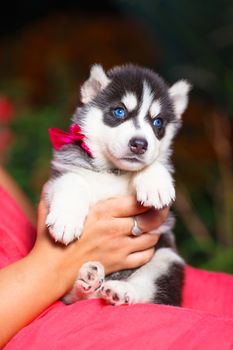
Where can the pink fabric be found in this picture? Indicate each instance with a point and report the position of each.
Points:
(17, 235)
(204, 322)
(89, 325)
(208, 291)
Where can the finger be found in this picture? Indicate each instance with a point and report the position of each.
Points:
(42, 213)
(123, 206)
(152, 219)
(143, 242)
(138, 259)
(147, 221)
(42, 209)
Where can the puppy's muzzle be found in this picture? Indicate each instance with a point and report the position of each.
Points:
(138, 145)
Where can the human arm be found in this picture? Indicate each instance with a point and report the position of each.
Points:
(49, 270)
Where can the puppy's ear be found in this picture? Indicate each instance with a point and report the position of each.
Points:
(179, 96)
(97, 81)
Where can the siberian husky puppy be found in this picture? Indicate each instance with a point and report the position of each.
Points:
(119, 143)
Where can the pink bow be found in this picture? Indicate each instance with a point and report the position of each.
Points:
(60, 138)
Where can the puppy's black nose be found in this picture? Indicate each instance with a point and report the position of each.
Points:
(138, 145)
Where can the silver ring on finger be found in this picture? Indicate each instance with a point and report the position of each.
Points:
(136, 230)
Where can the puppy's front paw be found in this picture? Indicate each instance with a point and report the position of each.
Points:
(90, 278)
(66, 224)
(118, 292)
(156, 191)
(155, 195)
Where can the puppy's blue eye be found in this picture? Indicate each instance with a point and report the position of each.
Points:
(157, 122)
(119, 112)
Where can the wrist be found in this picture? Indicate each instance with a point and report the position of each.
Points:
(61, 262)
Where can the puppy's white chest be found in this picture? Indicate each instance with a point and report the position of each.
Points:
(106, 184)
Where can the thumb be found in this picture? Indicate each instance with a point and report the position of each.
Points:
(42, 213)
(152, 219)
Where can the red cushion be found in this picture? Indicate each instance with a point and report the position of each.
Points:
(208, 291)
(92, 325)
(17, 235)
(204, 322)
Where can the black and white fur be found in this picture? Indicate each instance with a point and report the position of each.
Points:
(79, 181)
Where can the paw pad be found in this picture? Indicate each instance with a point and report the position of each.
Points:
(91, 278)
(118, 292)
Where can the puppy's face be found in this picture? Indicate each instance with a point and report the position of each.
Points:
(130, 116)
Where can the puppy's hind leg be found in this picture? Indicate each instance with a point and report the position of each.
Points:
(159, 282)
(88, 283)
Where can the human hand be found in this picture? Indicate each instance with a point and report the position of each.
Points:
(108, 227)
(106, 238)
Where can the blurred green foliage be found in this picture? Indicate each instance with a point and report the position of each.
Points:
(195, 41)
(30, 154)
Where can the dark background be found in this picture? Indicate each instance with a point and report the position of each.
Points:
(46, 50)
